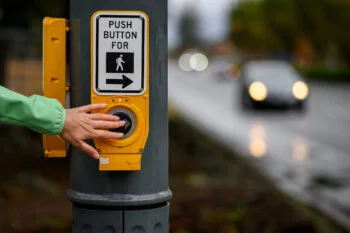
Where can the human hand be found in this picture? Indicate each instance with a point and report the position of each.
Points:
(79, 126)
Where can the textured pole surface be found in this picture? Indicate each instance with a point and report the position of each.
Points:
(119, 201)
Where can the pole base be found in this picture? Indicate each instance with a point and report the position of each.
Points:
(102, 220)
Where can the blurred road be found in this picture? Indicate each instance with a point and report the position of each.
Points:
(306, 155)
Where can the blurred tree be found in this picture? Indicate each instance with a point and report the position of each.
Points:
(337, 27)
(12, 13)
(281, 24)
(250, 30)
(324, 24)
(312, 22)
(188, 28)
(280, 18)
(303, 52)
(24, 14)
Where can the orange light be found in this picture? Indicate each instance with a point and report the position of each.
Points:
(120, 100)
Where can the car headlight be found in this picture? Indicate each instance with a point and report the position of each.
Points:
(300, 90)
(258, 91)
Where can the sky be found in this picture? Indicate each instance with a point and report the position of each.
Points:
(213, 19)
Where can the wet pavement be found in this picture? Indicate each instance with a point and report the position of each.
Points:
(306, 155)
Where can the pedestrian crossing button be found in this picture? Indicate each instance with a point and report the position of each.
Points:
(129, 118)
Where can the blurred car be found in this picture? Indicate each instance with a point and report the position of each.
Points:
(272, 84)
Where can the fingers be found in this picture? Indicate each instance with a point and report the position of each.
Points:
(91, 107)
(103, 117)
(88, 149)
(106, 134)
(80, 144)
(107, 124)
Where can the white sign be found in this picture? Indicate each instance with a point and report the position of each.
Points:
(119, 56)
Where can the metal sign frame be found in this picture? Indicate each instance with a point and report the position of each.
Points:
(95, 49)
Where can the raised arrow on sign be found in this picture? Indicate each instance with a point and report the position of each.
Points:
(125, 81)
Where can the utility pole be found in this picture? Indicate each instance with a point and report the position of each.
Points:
(121, 201)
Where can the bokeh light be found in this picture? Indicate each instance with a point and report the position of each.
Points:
(199, 62)
(257, 147)
(300, 150)
(300, 90)
(258, 91)
(184, 62)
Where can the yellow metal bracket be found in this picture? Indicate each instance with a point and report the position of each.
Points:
(54, 75)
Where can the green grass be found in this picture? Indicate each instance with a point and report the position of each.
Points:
(319, 73)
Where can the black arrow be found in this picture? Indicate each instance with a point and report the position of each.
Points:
(125, 81)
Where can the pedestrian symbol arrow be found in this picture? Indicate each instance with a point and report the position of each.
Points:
(125, 81)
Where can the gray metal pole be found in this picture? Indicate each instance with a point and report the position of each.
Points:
(121, 201)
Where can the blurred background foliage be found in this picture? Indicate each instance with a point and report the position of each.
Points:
(20, 28)
(313, 31)
(29, 14)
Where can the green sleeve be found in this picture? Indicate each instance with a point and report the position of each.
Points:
(41, 114)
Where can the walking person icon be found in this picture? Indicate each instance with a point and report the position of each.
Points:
(122, 63)
(119, 62)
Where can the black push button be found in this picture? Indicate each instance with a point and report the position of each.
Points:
(128, 123)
